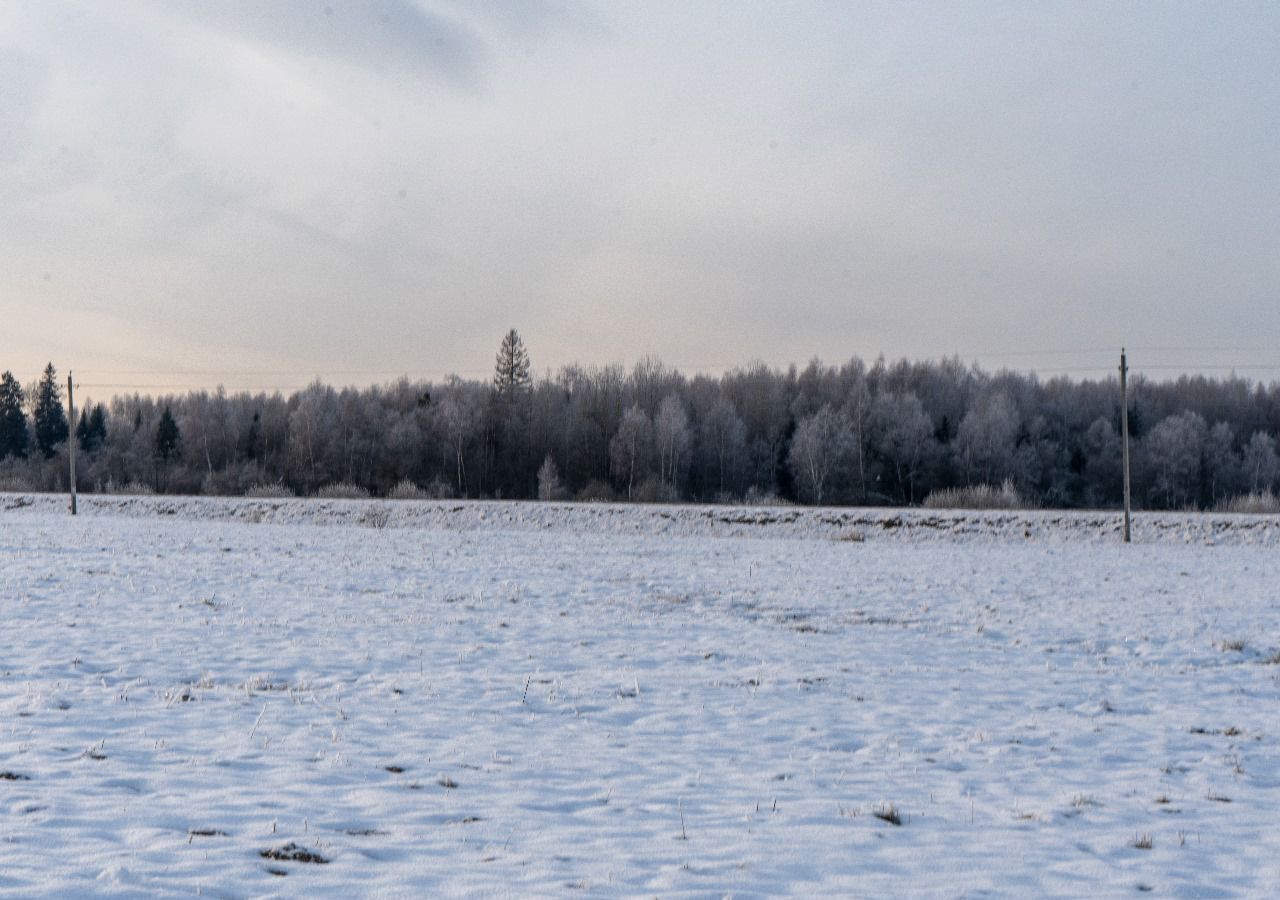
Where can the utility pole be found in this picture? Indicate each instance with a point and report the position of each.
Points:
(1124, 435)
(71, 439)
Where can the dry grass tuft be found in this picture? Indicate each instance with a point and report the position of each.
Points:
(291, 852)
(977, 496)
(1257, 503)
(274, 490)
(407, 490)
(342, 490)
(887, 812)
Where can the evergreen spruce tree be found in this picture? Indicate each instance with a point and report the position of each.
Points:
(98, 426)
(253, 437)
(167, 437)
(167, 440)
(50, 418)
(13, 421)
(91, 431)
(512, 370)
(82, 430)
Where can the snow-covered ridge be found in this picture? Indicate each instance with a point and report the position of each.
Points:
(804, 523)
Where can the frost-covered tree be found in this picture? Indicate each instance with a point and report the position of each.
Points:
(549, 484)
(1261, 463)
(904, 439)
(671, 437)
(723, 440)
(917, 427)
(762, 398)
(1102, 463)
(312, 433)
(857, 409)
(986, 440)
(630, 448)
(14, 436)
(1220, 469)
(456, 419)
(1173, 451)
(822, 443)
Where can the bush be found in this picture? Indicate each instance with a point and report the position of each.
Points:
(1257, 503)
(977, 496)
(236, 480)
(268, 491)
(439, 489)
(12, 480)
(132, 489)
(596, 491)
(654, 490)
(756, 497)
(405, 489)
(342, 490)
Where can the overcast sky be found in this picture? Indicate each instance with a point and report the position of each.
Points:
(273, 191)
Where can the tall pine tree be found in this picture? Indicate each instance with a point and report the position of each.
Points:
(511, 371)
(50, 418)
(13, 421)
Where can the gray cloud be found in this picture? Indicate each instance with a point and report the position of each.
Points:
(381, 35)
(393, 184)
(23, 83)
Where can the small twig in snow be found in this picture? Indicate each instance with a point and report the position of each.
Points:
(258, 721)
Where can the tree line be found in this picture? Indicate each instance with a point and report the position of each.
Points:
(855, 433)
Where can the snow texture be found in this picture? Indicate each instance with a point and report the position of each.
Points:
(297, 698)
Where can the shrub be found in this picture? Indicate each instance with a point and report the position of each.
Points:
(132, 489)
(1256, 503)
(405, 489)
(654, 490)
(439, 489)
(378, 517)
(977, 496)
(13, 481)
(342, 490)
(268, 491)
(236, 480)
(756, 497)
(596, 491)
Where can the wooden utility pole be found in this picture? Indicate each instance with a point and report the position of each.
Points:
(1124, 435)
(71, 438)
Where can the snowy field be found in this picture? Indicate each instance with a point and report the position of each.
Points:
(443, 699)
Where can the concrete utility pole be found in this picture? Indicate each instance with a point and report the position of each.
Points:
(71, 439)
(1124, 435)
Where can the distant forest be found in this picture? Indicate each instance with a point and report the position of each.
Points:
(884, 433)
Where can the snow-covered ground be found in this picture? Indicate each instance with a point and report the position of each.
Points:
(517, 699)
(877, 524)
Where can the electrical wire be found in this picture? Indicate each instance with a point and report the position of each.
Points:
(111, 379)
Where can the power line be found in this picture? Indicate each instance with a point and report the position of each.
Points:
(305, 373)
(296, 379)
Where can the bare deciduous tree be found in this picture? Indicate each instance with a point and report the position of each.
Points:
(822, 443)
(629, 449)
